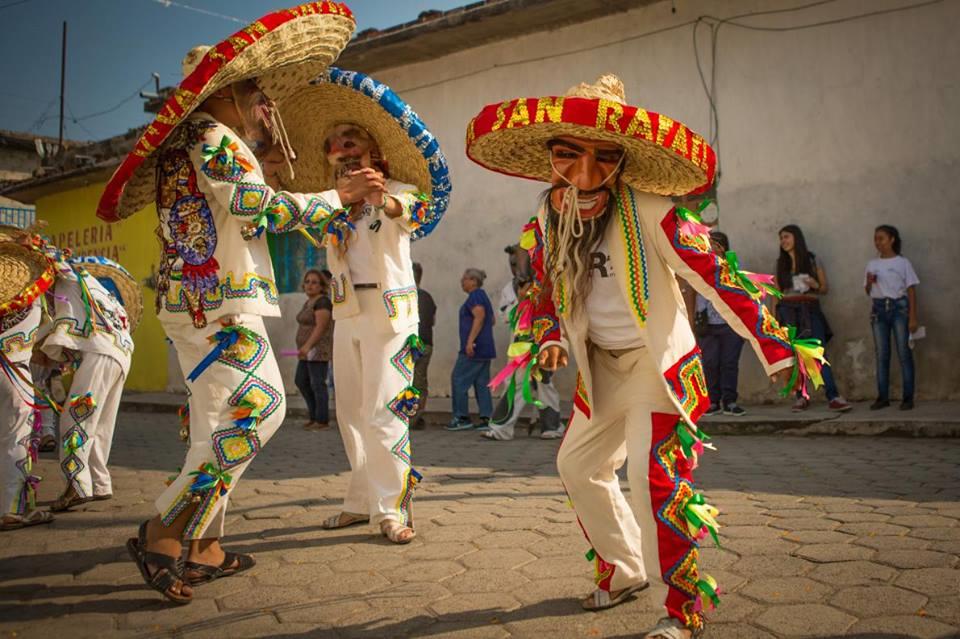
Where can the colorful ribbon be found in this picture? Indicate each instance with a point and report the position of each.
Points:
(690, 221)
(210, 477)
(808, 353)
(225, 154)
(701, 518)
(337, 226)
(707, 585)
(247, 414)
(20, 382)
(756, 285)
(223, 339)
(408, 401)
(419, 210)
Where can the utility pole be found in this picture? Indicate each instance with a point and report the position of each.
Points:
(63, 81)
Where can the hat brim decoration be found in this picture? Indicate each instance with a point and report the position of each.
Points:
(662, 155)
(118, 281)
(283, 50)
(25, 275)
(412, 152)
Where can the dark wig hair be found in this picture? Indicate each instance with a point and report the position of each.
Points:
(805, 260)
(894, 233)
(721, 238)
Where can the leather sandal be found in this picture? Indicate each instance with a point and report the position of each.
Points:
(69, 499)
(232, 564)
(343, 520)
(396, 532)
(670, 628)
(33, 518)
(601, 599)
(168, 570)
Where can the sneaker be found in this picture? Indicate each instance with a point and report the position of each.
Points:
(734, 409)
(880, 403)
(457, 424)
(714, 409)
(552, 434)
(800, 405)
(906, 404)
(839, 404)
(483, 426)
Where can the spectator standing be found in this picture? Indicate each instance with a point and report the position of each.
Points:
(477, 350)
(721, 347)
(428, 317)
(315, 349)
(803, 281)
(891, 284)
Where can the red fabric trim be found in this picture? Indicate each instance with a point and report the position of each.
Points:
(688, 384)
(708, 266)
(672, 548)
(599, 114)
(184, 96)
(30, 294)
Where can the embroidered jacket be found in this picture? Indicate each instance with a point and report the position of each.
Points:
(18, 332)
(214, 208)
(648, 248)
(391, 245)
(86, 319)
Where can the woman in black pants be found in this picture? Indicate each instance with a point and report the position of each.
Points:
(721, 348)
(314, 349)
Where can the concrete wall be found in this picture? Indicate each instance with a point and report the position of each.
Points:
(836, 128)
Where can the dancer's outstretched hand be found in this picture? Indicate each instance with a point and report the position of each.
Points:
(552, 357)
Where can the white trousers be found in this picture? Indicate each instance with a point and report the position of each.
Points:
(373, 366)
(632, 416)
(236, 405)
(16, 424)
(88, 421)
(504, 427)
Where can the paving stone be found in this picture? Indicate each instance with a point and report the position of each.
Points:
(470, 605)
(891, 543)
(750, 547)
(857, 517)
(806, 523)
(483, 580)
(751, 532)
(917, 559)
(852, 573)
(733, 608)
(778, 590)
(940, 534)
(933, 582)
(514, 538)
(554, 567)
(737, 631)
(429, 571)
(764, 566)
(924, 521)
(834, 552)
(446, 550)
(570, 588)
(943, 609)
(818, 537)
(503, 558)
(873, 601)
(805, 620)
(450, 533)
(322, 614)
(905, 626)
(873, 529)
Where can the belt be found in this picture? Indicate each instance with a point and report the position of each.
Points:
(367, 285)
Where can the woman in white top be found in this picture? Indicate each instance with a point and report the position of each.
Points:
(891, 283)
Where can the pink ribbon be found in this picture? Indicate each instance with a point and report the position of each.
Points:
(508, 370)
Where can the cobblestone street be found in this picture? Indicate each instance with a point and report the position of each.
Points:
(822, 537)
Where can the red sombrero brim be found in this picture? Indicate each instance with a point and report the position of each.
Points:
(663, 155)
(196, 87)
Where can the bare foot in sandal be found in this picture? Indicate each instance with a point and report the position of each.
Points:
(32, 518)
(397, 532)
(207, 560)
(160, 565)
(601, 599)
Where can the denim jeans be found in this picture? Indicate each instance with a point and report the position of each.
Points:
(311, 381)
(721, 348)
(466, 373)
(800, 315)
(892, 316)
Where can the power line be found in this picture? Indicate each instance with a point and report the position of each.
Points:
(12, 4)
(78, 120)
(169, 3)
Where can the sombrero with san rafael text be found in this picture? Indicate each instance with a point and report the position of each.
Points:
(118, 282)
(25, 274)
(283, 50)
(410, 150)
(662, 155)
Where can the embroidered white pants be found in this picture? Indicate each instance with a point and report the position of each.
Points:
(372, 367)
(86, 433)
(16, 422)
(236, 405)
(631, 417)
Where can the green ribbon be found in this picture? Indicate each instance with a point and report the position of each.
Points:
(808, 342)
(688, 440)
(739, 276)
(591, 554)
(687, 215)
(210, 152)
(209, 476)
(693, 516)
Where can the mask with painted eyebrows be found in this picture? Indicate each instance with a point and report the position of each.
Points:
(349, 146)
(583, 173)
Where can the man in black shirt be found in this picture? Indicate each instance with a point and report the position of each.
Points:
(428, 316)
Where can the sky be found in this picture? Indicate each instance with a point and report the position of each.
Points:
(114, 45)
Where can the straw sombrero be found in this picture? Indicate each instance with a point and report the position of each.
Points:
(118, 282)
(25, 275)
(283, 50)
(338, 97)
(662, 155)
